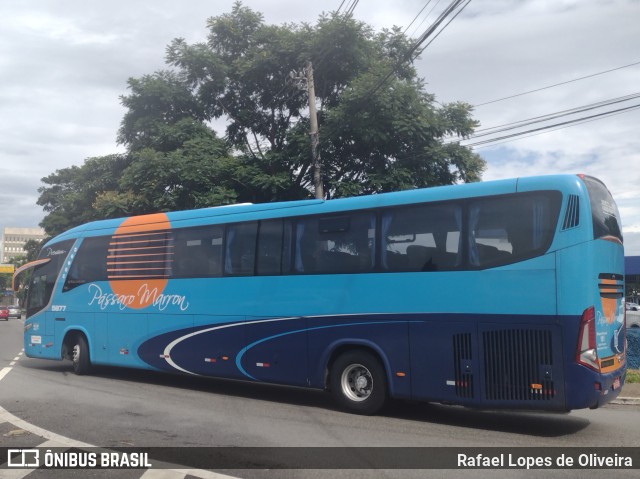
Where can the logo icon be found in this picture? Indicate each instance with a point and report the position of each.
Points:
(23, 458)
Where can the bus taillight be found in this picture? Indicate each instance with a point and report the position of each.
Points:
(586, 353)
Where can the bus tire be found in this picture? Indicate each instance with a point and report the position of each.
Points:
(80, 355)
(358, 382)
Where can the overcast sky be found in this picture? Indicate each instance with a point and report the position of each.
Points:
(65, 63)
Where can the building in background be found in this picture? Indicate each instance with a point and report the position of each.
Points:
(632, 278)
(13, 241)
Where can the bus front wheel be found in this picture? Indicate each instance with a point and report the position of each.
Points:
(80, 355)
(358, 382)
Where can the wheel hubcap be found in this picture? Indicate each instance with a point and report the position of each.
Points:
(357, 383)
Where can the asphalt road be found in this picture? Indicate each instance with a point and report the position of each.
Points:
(128, 408)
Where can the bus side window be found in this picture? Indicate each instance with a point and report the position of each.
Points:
(240, 252)
(512, 228)
(90, 262)
(198, 252)
(489, 242)
(274, 237)
(335, 244)
(421, 238)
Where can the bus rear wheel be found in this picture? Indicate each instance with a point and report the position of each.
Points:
(358, 382)
(80, 355)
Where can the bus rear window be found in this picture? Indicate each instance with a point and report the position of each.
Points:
(606, 218)
(511, 228)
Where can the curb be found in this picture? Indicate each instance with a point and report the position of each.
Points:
(627, 401)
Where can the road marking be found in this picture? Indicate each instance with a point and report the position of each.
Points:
(4, 372)
(57, 440)
(159, 474)
(6, 416)
(181, 473)
(16, 473)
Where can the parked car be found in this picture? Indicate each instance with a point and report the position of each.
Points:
(15, 312)
(633, 307)
(4, 313)
(633, 319)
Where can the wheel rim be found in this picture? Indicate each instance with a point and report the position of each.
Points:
(357, 382)
(76, 354)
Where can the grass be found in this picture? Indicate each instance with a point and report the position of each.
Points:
(633, 375)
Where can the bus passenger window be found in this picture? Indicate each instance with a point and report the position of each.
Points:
(421, 238)
(198, 252)
(274, 237)
(335, 244)
(240, 249)
(90, 262)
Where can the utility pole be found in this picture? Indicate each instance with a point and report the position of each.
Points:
(313, 134)
(307, 77)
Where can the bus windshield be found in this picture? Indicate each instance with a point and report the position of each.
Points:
(45, 275)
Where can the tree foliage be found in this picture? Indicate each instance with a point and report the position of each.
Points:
(70, 193)
(379, 129)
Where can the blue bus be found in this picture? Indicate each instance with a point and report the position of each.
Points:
(501, 294)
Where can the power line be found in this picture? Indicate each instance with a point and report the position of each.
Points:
(552, 128)
(556, 126)
(557, 84)
(350, 9)
(434, 26)
(443, 28)
(551, 116)
(409, 56)
(353, 7)
(420, 13)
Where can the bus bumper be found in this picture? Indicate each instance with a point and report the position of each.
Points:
(595, 390)
(608, 388)
(39, 346)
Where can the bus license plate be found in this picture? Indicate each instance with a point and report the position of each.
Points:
(616, 384)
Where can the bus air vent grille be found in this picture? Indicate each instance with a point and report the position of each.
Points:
(572, 215)
(462, 356)
(145, 255)
(518, 365)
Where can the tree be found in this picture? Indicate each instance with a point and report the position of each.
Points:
(71, 192)
(380, 130)
(32, 248)
(180, 166)
(162, 113)
(5, 281)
